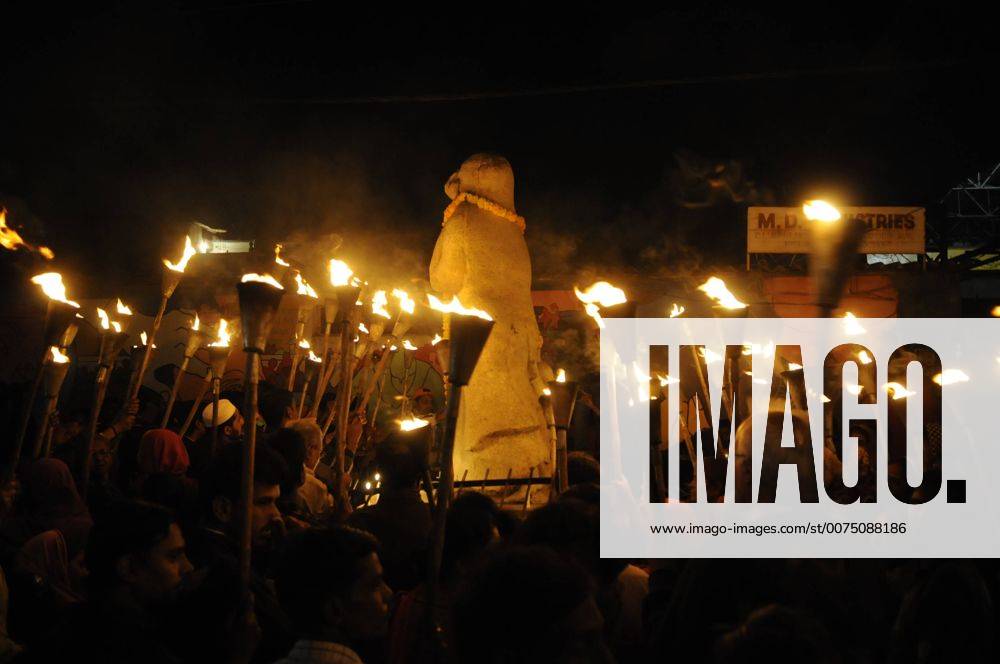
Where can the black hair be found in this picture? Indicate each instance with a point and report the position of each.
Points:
(225, 474)
(776, 633)
(469, 530)
(402, 457)
(126, 528)
(572, 529)
(316, 565)
(493, 622)
(273, 405)
(291, 445)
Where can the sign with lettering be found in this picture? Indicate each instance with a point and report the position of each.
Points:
(785, 230)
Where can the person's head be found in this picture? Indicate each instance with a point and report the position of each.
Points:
(582, 468)
(473, 525)
(329, 582)
(139, 548)
(162, 451)
(69, 425)
(571, 528)
(276, 408)
(292, 447)
(100, 464)
(776, 633)
(313, 436)
(219, 492)
(230, 419)
(402, 458)
(559, 623)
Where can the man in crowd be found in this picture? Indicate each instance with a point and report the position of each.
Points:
(313, 491)
(341, 609)
(400, 519)
(138, 565)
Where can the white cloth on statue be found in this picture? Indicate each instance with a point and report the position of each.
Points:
(306, 651)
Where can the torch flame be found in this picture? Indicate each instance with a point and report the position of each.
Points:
(143, 337)
(407, 345)
(820, 211)
(675, 310)
(340, 274)
(223, 335)
(950, 377)
(304, 287)
(277, 257)
(261, 278)
(181, 265)
(865, 357)
(601, 293)
(546, 391)
(52, 285)
(716, 289)
(122, 309)
(436, 340)
(710, 355)
(11, 239)
(666, 379)
(412, 424)
(897, 391)
(116, 326)
(304, 344)
(379, 300)
(851, 325)
(57, 356)
(195, 324)
(313, 357)
(362, 328)
(103, 315)
(406, 303)
(456, 307)
(995, 311)
(561, 376)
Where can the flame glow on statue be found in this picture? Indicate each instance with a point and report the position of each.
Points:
(481, 257)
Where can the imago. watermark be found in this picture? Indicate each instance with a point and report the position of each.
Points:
(800, 437)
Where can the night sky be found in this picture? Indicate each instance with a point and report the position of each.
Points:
(120, 124)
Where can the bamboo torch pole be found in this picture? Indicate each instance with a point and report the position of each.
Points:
(469, 334)
(52, 379)
(109, 351)
(259, 298)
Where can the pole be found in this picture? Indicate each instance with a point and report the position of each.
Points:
(321, 385)
(15, 456)
(137, 385)
(194, 406)
(343, 402)
(216, 390)
(246, 486)
(43, 427)
(100, 390)
(173, 392)
(443, 501)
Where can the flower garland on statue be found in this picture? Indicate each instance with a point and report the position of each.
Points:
(485, 204)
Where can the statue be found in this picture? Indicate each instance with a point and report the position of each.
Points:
(481, 257)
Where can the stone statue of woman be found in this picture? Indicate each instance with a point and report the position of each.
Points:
(481, 257)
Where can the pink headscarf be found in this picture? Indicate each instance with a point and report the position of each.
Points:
(162, 451)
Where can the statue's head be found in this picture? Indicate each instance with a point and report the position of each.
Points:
(486, 175)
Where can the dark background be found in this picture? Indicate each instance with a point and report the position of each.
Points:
(120, 124)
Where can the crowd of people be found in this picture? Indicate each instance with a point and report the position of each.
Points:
(145, 566)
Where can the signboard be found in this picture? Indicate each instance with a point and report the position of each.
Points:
(785, 230)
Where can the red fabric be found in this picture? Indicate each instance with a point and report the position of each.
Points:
(163, 451)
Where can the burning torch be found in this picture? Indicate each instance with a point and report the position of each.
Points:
(60, 330)
(196, 339)
(53, 374)
(259, 297)
(111, 346)
(563, 395)
(469, 331)
(835, 245)
(218, 355)
(172, 274)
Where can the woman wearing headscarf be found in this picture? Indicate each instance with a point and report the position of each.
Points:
(163, 464)
(48, 501)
